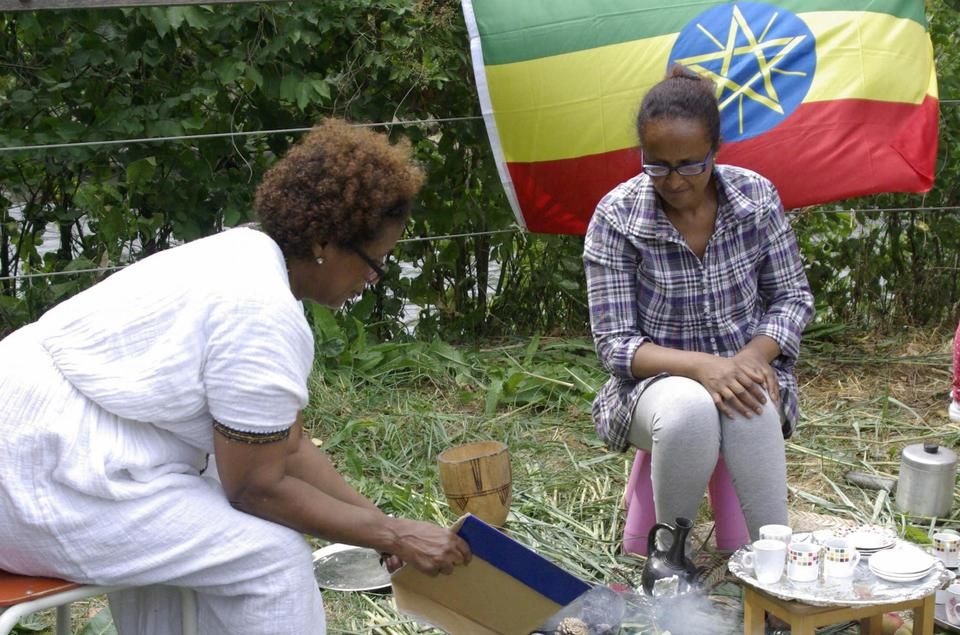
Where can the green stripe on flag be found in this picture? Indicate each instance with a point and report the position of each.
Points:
(520, 30)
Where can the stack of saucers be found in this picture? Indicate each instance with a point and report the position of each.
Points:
(906, 563)
(869, 539)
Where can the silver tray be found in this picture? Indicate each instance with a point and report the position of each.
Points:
(861, 589)
(347, 568)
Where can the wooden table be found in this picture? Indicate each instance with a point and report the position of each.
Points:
(805, 619)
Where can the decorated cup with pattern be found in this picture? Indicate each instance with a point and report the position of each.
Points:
(946, 547)
(840, 558)
(803, 562)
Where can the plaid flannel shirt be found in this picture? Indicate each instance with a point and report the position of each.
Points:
(645, 285)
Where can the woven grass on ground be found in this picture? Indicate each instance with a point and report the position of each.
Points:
(863, 400)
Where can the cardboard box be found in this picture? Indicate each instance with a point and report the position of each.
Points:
(506, 589)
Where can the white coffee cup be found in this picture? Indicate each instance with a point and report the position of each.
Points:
(766, 560)
(783, 533)
(946, 547)
(952, 605)
(803, 562)
(840, 558)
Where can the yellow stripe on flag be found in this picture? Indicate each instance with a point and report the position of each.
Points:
(595, 93)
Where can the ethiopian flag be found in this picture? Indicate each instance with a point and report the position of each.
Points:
(829, 99)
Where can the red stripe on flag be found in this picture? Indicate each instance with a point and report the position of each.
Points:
(826, 151)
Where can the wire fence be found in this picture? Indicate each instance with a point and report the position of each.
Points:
(411, 122)
(222, 135)
(254, 133)
(52, 274)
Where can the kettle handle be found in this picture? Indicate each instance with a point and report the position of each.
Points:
(652, 537)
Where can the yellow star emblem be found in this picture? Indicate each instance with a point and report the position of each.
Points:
(758, 47)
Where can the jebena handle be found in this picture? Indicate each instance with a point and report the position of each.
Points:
(652, 538)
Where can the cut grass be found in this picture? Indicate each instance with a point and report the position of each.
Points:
(383, 422)
(863, 400)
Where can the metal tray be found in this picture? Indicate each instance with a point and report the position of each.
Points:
(347, 568)
(862, 589)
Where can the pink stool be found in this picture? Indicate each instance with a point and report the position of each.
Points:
(730, 525)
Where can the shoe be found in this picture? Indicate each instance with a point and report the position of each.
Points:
(954, 411)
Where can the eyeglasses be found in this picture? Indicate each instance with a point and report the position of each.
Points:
(376, 268)
(687, 169)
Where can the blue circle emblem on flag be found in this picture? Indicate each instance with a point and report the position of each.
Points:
(762, 59)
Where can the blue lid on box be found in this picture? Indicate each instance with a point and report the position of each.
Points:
(520, 562)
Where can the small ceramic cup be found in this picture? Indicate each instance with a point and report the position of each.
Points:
(952, 605)
(776, 532)
(946, 547)
(839, 559)
(767, 560)
(803, 562)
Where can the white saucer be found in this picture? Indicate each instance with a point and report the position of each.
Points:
(868, 537)
(900, 578)
(905, 560)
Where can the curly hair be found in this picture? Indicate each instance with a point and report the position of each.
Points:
(340, 184)
(682, 95)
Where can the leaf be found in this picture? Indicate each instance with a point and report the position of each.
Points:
(321, 87)
(253, 74)
(492, 399)
(101, 624)
(289, 87)
(78, 264)
(330, 338)
(228, 70)
(531, 350)
(141, 171)
(304, 94)
(161, 22)
(175, 16)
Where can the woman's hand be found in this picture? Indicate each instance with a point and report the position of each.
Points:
(756, 364)
(736, 383)
(430, 548)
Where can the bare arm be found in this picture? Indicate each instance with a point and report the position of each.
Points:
(311, 464)
(256, 480)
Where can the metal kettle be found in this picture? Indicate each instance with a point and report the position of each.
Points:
(927, 479)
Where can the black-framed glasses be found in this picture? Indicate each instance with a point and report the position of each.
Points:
(377, 271)
(687, 169)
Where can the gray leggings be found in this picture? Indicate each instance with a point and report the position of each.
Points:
(678, 423)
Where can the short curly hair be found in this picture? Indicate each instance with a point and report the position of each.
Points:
(340, 184)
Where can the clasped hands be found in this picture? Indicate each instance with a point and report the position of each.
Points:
(737, 383)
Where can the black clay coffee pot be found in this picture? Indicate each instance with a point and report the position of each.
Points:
(663, 564)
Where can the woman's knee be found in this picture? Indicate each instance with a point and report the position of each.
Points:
(284, 546)
(683, 408)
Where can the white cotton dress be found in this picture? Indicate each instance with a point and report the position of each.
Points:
(106, 411)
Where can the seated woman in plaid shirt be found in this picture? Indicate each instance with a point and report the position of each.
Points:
(697, 301)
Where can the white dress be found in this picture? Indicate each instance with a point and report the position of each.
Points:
(107, 406)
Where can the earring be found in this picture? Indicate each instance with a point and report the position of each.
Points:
(320, 260)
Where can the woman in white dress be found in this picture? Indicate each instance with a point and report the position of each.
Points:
(111, 403)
